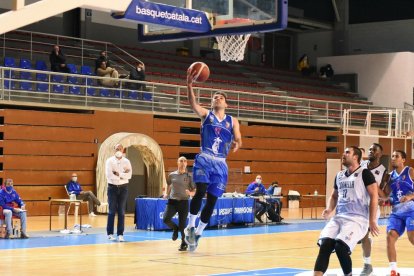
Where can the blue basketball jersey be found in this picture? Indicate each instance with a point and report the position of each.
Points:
(216, 136)
(401, 184)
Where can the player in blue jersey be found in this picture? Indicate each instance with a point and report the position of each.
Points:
(400, 188)
(219, 134)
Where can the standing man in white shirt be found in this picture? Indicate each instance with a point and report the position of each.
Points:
(118, 172)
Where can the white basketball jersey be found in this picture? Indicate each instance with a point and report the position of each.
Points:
(353, 198)
(378, 172)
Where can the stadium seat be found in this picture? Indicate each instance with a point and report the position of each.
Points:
(117, 94)
(147, 96)
(42, 87)
(74, 89)
(9, 62)
(104, 92)
(72, 70)
(90, 91)
(57, 78)
(86, 70)
(26, 86)
(57, 88)
(25, 64)
(9, 84)
(41, 65)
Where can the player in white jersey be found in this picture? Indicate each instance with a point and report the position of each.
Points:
(400, 188)
(380, 173)
(355, 197)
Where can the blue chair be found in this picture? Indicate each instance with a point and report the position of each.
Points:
(42, 87)
(9, 84)
(133, 95)
(41, 65)
(57, 88)
(104, 92)
(86, 70)
(147, 96)
(25, 64)
(9, 62)
(26, 86)
(72, 70)
(57, 78)
(90, 91)
(117, 94)
(75, 90)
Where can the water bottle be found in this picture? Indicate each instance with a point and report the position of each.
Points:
(152, 227)
(148, 227)
(316, 192)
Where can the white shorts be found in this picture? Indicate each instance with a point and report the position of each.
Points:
(350, 230)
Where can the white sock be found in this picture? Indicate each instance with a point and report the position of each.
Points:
(393, 266)
(367, 260)
(200, 228)
(191, 220)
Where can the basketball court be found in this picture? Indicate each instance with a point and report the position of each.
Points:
(283, 249)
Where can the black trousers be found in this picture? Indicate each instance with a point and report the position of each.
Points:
(176, 206)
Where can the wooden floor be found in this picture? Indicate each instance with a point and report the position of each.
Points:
(218, 254)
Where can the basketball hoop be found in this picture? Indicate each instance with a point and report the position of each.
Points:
(232, 46)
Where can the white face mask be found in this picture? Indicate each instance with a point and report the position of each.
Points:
(258, 181)
(118, 154)
(74, 178)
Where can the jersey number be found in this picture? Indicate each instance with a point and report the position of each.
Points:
(344, 191)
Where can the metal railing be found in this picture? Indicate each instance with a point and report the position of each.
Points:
(86, 91)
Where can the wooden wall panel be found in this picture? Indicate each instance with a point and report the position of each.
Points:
(47, 133)
(46, 118)
(278, 155)
(49, 148)
(286, 144)
(171, 125)
(71, 163)
(47, 178)
(283, 132)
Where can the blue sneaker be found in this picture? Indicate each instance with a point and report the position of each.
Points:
(189, 236)
(194, 246)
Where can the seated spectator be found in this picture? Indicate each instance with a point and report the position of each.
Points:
(304, 66)
(109, 72)
(102, 57)
(256, 187)
(326, 71)
(8, 198)
(74, 187)
(138, 73)
(275, 201)
(58, 60)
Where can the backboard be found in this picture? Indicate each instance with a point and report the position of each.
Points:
(224, 17)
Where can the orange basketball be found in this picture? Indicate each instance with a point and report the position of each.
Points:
(203, 72)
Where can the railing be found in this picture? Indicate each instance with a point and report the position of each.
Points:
(39, 45)
(85, 91)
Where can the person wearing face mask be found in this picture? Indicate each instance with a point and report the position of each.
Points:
(74, 187)
(256, 188)
(8, 198)
(118, 171)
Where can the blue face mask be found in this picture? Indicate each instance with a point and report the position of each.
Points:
(9, 188)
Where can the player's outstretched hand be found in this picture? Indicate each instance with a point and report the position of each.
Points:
(190, 76)
(373, 228)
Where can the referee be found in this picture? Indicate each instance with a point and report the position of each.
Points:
(180, 188)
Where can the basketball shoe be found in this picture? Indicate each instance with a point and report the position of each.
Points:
(189, 236)
(394, 273)
(367, 271)
(194, 246)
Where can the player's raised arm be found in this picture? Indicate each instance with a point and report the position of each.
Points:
(200, 111)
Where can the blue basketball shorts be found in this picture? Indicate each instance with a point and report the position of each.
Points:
(399, 222)
(211, 170)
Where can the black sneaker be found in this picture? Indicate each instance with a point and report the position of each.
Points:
(175, 234)
(183, 247)
(259, 218)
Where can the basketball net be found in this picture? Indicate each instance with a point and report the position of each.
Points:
(232, 46)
